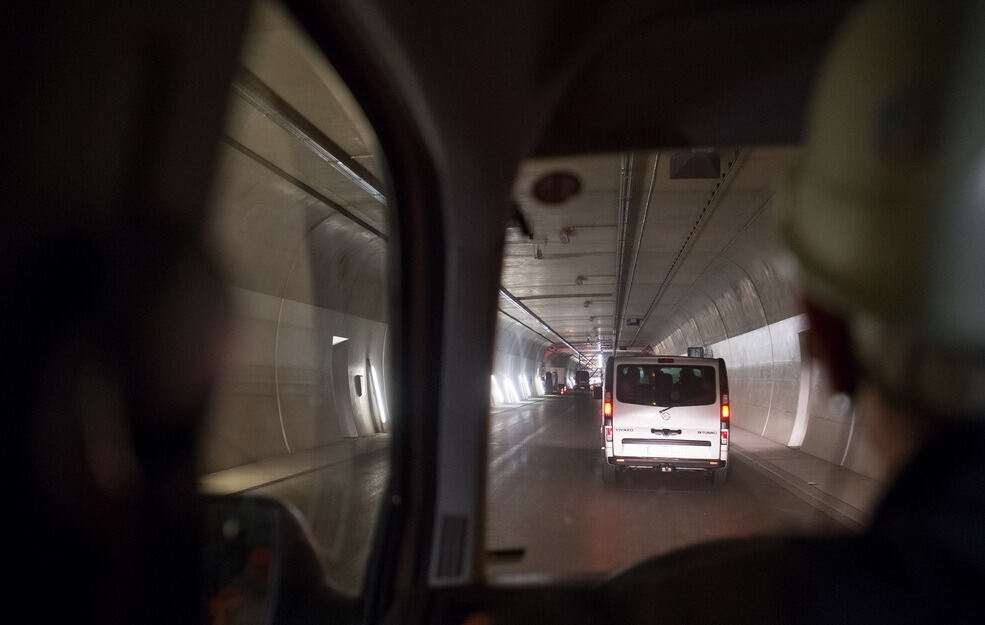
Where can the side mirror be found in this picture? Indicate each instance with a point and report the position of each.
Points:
(261, 566)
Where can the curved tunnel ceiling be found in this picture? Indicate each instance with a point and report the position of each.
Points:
(292, 222)
(636, 243)
(643, 252)
(287, 220)
(663, 249)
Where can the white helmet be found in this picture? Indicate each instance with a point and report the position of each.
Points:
(885, 211)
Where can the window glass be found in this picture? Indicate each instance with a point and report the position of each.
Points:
(652, 385)
(620, 259)
(299, 224)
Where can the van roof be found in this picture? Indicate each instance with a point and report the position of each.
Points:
(653, 360)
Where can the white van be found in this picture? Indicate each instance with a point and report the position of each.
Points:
(665, 412)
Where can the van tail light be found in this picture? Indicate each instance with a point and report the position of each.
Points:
(608, 430)
(607, 405)
(726, 417)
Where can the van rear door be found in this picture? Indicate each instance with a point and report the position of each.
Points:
(666, 409)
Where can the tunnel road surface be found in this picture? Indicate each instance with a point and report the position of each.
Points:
(549, 511)
(546, 496)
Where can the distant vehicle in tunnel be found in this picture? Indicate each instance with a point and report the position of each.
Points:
(665, 412)
(550, 382)
(582, 380)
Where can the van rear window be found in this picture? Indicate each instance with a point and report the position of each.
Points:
(665, 385)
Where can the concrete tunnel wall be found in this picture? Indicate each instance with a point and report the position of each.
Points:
(743, 309)
(519, 356)
(300, 274)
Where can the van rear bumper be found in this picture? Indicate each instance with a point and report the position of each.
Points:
(686, 464)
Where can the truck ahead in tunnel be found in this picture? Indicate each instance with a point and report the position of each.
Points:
(582, 378)
(665, 412)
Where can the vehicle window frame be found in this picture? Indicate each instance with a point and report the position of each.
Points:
(398, 556)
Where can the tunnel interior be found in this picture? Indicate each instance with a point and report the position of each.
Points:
(303, 245)
(671, 262)
(653, 251)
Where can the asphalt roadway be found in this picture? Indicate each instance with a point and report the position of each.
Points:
(547, 499)
(549, 512)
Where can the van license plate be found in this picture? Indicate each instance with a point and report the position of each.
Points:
(645, 451)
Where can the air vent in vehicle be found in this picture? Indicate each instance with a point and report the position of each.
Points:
(695, 165)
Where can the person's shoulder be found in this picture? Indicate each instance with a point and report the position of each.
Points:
(947, 471)
(755, 580)
(740, 555)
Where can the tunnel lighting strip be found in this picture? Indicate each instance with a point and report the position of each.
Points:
(526, 387)
(497, 394)
(276, 109)
(380, 401)
(511, 394)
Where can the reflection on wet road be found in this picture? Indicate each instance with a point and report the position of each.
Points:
(547, 496)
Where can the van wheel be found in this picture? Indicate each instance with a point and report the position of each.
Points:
(718, 476)
(610, 472)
